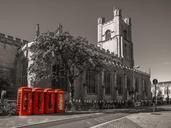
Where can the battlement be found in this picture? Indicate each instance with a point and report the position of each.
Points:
(108, 22)
(101, 20)
(11, 40)
(117, 12)
(127, 20)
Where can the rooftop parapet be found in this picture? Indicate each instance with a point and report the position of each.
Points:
(141, 72)
(24, 42)
(2, 37)
(10, 40)
(18, 40)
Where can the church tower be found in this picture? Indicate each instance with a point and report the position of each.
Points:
(115, 36)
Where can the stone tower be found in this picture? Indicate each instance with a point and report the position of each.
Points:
(115, 36)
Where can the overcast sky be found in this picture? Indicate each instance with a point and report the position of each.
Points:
(151, 24)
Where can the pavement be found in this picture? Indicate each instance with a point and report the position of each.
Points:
(22, 121)
(143, 119)
(140, 120)
(159, 119)
(152, 120)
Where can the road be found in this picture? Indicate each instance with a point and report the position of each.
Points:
(82, 122)
(114, 118)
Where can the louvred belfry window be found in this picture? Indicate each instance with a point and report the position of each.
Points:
(107, 35)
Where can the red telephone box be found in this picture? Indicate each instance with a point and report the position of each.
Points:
(49, 100)
(38, 100)
(59, 100)
(24, 101)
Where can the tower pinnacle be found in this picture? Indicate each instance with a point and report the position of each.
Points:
(37, 31)
(59, 29)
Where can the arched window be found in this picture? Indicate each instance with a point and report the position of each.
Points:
(91, 81)
(107, 82)
(128, 84)
(119, 84)
(136, 85)
(107, 35)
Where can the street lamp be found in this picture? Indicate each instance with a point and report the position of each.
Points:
(155, 81)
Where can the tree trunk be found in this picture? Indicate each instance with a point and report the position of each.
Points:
(71, 94)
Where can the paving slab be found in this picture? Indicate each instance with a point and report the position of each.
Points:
(118, 123)
(152, 120)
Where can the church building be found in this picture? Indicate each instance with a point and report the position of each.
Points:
(124, 82)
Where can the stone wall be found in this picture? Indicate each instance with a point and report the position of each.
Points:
(13, 66)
